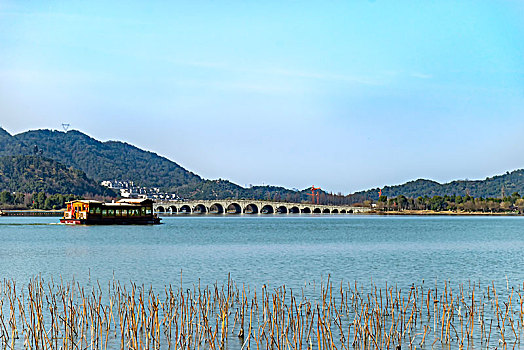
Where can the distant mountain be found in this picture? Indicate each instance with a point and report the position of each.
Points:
(9, 145)
(29, 174)
(490, 187)
(103, 160)
(119, 160)
(220, 189)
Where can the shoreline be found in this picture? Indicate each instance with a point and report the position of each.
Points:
(30, 212)
(441, 213)
(59, 213)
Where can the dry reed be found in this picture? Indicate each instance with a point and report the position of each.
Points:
(58, 315)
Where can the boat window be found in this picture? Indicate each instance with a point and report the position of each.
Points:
(111, 212)
(91, 210)
(124, 212)
(143, 210)
(148, 210)
(97, 210)
(104, 212)
(118, 212)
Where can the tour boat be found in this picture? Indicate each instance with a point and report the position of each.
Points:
(123, 212)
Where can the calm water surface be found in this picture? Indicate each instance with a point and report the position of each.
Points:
(271, 250)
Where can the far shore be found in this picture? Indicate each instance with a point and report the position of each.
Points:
(60, 212)
(31, 212)
(447, 213)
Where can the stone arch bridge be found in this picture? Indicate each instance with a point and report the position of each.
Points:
(244, 206)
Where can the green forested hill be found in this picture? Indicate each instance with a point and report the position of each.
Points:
(106, 160)
(510, 183)
(221, 189)
(30, 174)
(10, 146)
(118, 160)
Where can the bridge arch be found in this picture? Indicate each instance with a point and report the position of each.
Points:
(251, 209)
(185, 209)
(216, 208)
(282, 209)
(200, 209)
(234, 208)
(267, 209)
(294, 210)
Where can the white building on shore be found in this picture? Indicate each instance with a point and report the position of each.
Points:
(128, 189)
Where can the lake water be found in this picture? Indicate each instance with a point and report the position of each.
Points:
(265, 252)
(270, 250)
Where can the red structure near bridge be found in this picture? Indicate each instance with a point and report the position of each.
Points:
(315, 194)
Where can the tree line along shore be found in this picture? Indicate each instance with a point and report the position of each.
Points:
(399, 205)
(453, 204)
(32, 201)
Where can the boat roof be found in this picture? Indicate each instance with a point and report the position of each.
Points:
(84, 201)
(121, 205)
(122, 202)
(134, 200)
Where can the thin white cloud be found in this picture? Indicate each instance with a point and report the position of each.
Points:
(260, 87)
(54, 76)
(71, 17)
(356, 79)
(327, 76)
(421, 75)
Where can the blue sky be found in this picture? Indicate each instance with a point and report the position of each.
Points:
(346, 95)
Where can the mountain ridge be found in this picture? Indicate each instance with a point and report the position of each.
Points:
(121, 160)
(493, 186)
